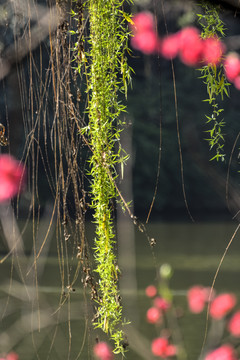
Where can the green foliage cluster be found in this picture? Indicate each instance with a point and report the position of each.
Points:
(107, 75)
(215, 80)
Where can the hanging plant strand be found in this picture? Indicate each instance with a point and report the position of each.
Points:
(215, 80)
(108, 74)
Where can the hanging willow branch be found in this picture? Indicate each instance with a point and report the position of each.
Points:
(108, 75)
(215, 80)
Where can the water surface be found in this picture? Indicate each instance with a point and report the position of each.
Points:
(39, 321)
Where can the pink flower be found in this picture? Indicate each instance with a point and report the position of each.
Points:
(151, 291)
(213, 50)
(143, 22)
(102, 351)
(189, 34)
(191, 46)
(147, 42)
(145, 38)
(196, 299)
(209, 294)
(153, 315)
(234, 324)
(221, 305)
(232, 66)
(161, 303)
(12, 356)
(237, 82)
(170, 46)
(162, 348)
(224, 352)
(12, 177)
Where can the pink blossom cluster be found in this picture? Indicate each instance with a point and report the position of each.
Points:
(232, 68)
(234, 324)
(220, 305)
(197, 298)
(160, 305)
(220, 308)
(12, 177)
(161, 346)
(187, 44)
(102, 351)
(191, 48)
(10, 356)
(224, 352)
(145, 38)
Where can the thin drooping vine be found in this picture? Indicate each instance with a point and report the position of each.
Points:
(107, 75)
(215, 80)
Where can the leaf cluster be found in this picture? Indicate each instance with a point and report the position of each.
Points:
(210, 21)
(108, 74)
(214, 79)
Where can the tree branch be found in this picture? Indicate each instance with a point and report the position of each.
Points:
(48, 19)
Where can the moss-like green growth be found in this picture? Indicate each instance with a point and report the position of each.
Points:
(107, 74)
(215, 80)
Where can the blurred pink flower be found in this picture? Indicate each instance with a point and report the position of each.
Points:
(236, 82)
(12, 356)
(189, 34)
(143, 21)
(162, 348)
(161, 303)
(196, 299)
(212, 51)
(12, 177)
(191, 46)
(209, 294)
(224, 352)
(170, 46)
(234, 324)
(102, 351)
(151, 291)
(153, 315)
(221, 305)
(147, 42)
(232, 66)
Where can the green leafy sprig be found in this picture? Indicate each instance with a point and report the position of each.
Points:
(214, 79)
(107, 75)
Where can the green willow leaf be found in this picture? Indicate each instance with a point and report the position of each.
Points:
(214, 79)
